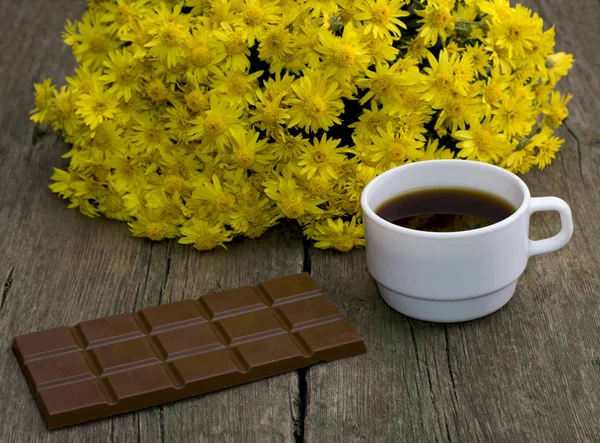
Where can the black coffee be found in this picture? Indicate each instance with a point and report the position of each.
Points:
(445, 209)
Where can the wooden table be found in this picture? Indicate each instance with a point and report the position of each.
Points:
(530, 372)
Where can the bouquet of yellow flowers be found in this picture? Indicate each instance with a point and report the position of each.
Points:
(208, 119)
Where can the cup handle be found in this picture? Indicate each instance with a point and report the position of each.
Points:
(566, 220)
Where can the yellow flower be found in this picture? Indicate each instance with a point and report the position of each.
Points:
(317, 103)
(481, 142)
(437, 21)
(276, 45)
(287, 148)
(355, 184)
(433, 152)
(479, 58)
(253, 215)
(256, 17)
(236, 49)
(248, 151)
(120, 14)
(220, 199)
(556, 111)
(544, 146)
(370, 121)
(169, 35)
(44, 95)
(194, 119)
(122, 74)
(415, 48)
(96, 106)
(460, 111)
(439, 83)
(237, 87)
(149, 135)
(216, 124)
(94, 42)
(558, 65)
(514, 32)
(513, 116)
(339, 235)
(203, 54)
(153, 224)
(268, 114)
(343, 57)
(204, 236)
(383, 84)
(322, 157)
(381, 17)
(390, 150)
(292, 201)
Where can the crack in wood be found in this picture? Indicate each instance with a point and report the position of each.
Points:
(6, 287)
(161, 423)
(300, 421)
(414, 341)
(578, 144)
(112, 430)
(139, 429)
(166, 277)
(38, 133)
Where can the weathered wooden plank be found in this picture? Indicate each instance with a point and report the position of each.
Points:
(527, 373)
(58, 267)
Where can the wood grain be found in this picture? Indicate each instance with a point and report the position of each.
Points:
(530, 372)
(58, 267)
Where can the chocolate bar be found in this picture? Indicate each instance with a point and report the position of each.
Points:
(125, 362)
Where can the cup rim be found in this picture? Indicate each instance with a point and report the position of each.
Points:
(368, 212)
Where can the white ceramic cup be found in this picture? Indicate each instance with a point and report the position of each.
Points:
(454, 276)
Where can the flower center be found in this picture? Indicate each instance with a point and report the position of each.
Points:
(99, 44)
(493, 95)
(344, 56)
(238, 84)
(156, 230)
(235, 46)
(444, 80)
(514, 33)
(64, 109)
(382, 86)
(98, 107)
(196, 101)
(244, 157)
(123, 15)
(440, 18)
(396, 151)
(319, 184)
(156, 90)
(319, 157)
(171, 35)
(205, 242)
(294, 207)
(483, 140)
(314, 106)
(253, 15)
(215, 125)
(173, 183)
(224, 202)
(114, 203)
(343, 243)
(201, 56)
(380, 14)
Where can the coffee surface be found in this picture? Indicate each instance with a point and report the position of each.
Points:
(445, 209)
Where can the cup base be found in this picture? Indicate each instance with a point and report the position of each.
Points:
(447, 311)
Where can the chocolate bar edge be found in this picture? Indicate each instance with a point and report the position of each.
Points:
(352, 348)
